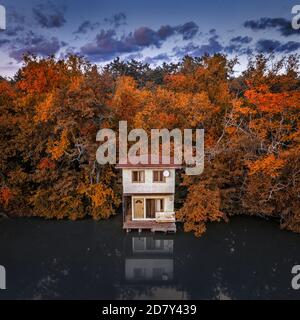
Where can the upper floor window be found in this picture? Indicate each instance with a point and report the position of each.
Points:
(138, 176)
(158, 176)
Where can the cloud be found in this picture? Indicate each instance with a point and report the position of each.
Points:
(13, 31)
(49, 15)
(282, 25)
(165, 32)
(145, 37)
(241, 40)
(108, 45)
(237, 46)
(4, 42)
(15, 22)
(213, 46)
(158, 58)
(87, 26)
(117, 20)
(134, 56)
(269, 46)
(188, 30)
(34, 44)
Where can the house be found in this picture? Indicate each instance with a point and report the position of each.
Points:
(150, 268)
(150, 260)
(148, 196)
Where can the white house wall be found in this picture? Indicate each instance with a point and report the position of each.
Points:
(147, 267)
(148, 186)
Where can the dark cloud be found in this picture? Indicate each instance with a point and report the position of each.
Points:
(4, 42)
(34, 44)
(15, 22)
(237, 45)
(241, 40)
(117, 20)
(87, 26)
(237, 49)
(49, 15)
(134, 56)
(165, 32)
(289, 46)
(269, 46)
(213, 46)
(13, 31)
(162, 57)
(282, 25)
(188, 30)
(108, 45)
(145, 37)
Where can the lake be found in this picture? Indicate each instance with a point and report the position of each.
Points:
(248, 258)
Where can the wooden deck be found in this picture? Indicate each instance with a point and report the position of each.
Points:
(153, 226)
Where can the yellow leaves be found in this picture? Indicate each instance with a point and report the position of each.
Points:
(241, 109)
(76, 82)
(102, 199)
(230, 130)
(59, 206)
(201, 206)
(58, 148)
(177, 82)
(127, 99)
(268, 165)
(44, 110)
(174, 110)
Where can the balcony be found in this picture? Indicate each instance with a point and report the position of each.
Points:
(164, 217)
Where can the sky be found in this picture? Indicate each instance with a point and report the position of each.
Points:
(149, 31)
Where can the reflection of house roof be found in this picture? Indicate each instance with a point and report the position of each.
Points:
(145, 161)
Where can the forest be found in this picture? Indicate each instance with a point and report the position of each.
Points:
(51, 111)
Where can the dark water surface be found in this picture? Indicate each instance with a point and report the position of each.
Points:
(247, 258)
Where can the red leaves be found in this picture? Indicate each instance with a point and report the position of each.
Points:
(46, 163)
(5, 196)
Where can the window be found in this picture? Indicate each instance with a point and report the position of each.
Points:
(158, 273)
(160, 205)
(153, 206)
(158, 176)
(138, 176)
(139, 273)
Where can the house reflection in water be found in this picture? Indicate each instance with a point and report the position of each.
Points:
(149, 268)
(151, 261)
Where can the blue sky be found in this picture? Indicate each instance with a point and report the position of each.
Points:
(151, 31)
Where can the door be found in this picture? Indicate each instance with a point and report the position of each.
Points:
(150, 208)
(138, 212)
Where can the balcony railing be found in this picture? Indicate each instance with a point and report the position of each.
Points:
(165, 217)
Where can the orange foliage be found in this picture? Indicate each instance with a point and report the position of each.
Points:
(50, 113)
(46, 163)
(5, 196)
